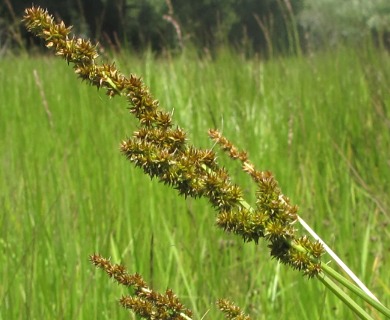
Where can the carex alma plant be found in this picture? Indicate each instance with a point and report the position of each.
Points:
(161, 149)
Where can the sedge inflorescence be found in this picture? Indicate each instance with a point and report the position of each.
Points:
(162, 151)
(231, 311)
(145, 302)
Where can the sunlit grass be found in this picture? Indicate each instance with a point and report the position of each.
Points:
(320, 123)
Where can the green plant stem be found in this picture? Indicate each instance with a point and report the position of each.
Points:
(334, 256)
(331, 285)
(344, 281)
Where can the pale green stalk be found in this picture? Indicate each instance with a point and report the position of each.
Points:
(337, 259)
(362, 294)
(344, 297)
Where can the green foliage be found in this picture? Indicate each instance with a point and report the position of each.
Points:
(163, 24)
(272, 26)
(331, 22)
(207, 23)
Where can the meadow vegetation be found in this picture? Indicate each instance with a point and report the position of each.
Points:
(319, 122)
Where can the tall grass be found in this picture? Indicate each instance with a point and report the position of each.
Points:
(320, 123)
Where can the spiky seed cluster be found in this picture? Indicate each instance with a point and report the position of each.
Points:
(145, 302)
(41, 24)
(272, 218)
(162, 151)
(231, 311)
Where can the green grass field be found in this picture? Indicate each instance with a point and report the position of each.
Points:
(320, 123)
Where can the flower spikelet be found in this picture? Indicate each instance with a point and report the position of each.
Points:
(145, 302)
(273, 217)
(231, 311)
